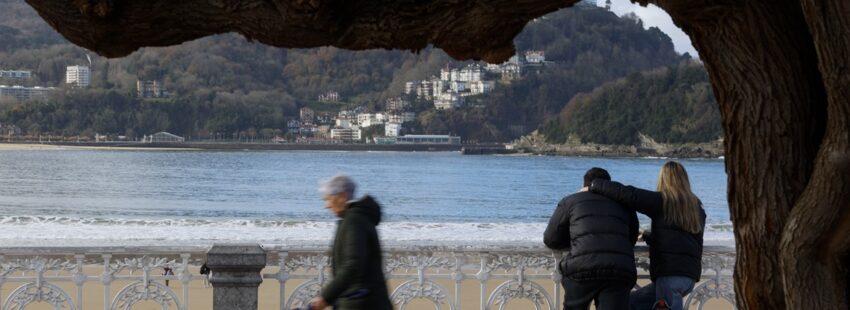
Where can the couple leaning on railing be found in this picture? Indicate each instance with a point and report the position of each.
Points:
(598, 228)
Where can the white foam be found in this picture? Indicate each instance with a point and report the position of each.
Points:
(44, 231)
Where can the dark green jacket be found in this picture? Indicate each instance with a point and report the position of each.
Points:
(357, 261)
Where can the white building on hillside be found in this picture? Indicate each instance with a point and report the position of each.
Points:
(24, 93)
(511, 71)
(448, 100)
(481, 87)
(381, 117)
(410, 87)
(78, 76)
(16, 74)
(471, 73)
(347, 135)
(365, 118)
(535, 57)
(343, 123)
(397, 104)
(458, 86)
(425, 90)
(392, 129)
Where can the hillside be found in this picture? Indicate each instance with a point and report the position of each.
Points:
(227, 84)
(674, 104)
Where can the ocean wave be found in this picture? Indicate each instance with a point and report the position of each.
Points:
(24, 230)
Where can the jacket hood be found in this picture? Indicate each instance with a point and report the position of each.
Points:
(366, 206)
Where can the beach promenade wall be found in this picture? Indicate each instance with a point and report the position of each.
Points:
(279, 277)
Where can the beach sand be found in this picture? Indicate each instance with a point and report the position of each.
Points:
(201, 298)
(37, 146)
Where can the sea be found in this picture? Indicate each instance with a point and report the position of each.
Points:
(102, 197)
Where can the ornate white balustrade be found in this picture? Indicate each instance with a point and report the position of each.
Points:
(43, 275)
(441, 277)
(438, 275)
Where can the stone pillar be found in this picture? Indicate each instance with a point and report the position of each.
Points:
(235, 275)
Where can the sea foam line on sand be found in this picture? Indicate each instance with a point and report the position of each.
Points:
(46, 231)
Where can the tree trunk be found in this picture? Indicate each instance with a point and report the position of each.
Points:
(763, 67)
(817, 234)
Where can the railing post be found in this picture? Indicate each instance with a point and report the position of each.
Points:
(185, 278)
(483, 275)
(282, 276)
(79, 278)
(2, 281)
(236, 275)
(106, 278)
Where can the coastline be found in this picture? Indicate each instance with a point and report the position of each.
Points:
(515, 149)
(189, 146)
(536, 144)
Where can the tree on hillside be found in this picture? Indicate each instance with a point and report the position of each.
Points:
(671, 105)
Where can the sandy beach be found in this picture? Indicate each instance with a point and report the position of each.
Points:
(41, 147)
(201, 298)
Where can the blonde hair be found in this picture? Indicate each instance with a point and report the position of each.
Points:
(681, 206)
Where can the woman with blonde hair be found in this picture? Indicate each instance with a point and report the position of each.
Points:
(675, 240)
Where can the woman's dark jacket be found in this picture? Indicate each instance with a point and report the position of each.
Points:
(672, 251)
(599, 234)
(358, 274)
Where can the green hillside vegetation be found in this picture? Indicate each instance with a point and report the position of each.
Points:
(671, 105)
(587, 47)
(226, 84)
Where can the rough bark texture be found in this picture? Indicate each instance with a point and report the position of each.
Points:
(817, 234)
(465, 29)
(780, 71)
(762, 65)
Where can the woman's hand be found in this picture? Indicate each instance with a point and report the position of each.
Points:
(318, 303)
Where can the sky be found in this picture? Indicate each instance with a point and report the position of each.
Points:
(654, 16)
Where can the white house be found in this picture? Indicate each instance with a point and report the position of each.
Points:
(380, 117)
(366, 119)
(346, 134)
(458, 86)
(481, 87)
(79, 76)
(535, 57)
(448, 100)
(392, 129)
(471, 73)
(343, 123)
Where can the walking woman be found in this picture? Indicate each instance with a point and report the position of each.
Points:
(675, 240)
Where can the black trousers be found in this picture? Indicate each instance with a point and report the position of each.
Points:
(607, 294)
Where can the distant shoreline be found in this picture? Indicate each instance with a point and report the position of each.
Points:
(488, 149)
(231, 146)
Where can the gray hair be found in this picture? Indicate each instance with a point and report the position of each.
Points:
(338, 184)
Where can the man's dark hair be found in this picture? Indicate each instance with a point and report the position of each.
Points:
(595, 173)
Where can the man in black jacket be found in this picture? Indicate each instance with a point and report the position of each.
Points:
(358, 272)
(599, 236)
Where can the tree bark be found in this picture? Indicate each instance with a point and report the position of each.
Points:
(465, 29)
(763, 67)
(817, 235)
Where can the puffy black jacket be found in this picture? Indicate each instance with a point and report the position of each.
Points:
(672, 251)
(598, 233)
(358, 272)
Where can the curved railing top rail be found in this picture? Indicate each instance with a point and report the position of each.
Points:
(272, 249)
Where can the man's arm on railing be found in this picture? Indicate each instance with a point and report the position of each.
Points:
(557, 234)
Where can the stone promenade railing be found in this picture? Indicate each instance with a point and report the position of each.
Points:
(444, 278)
